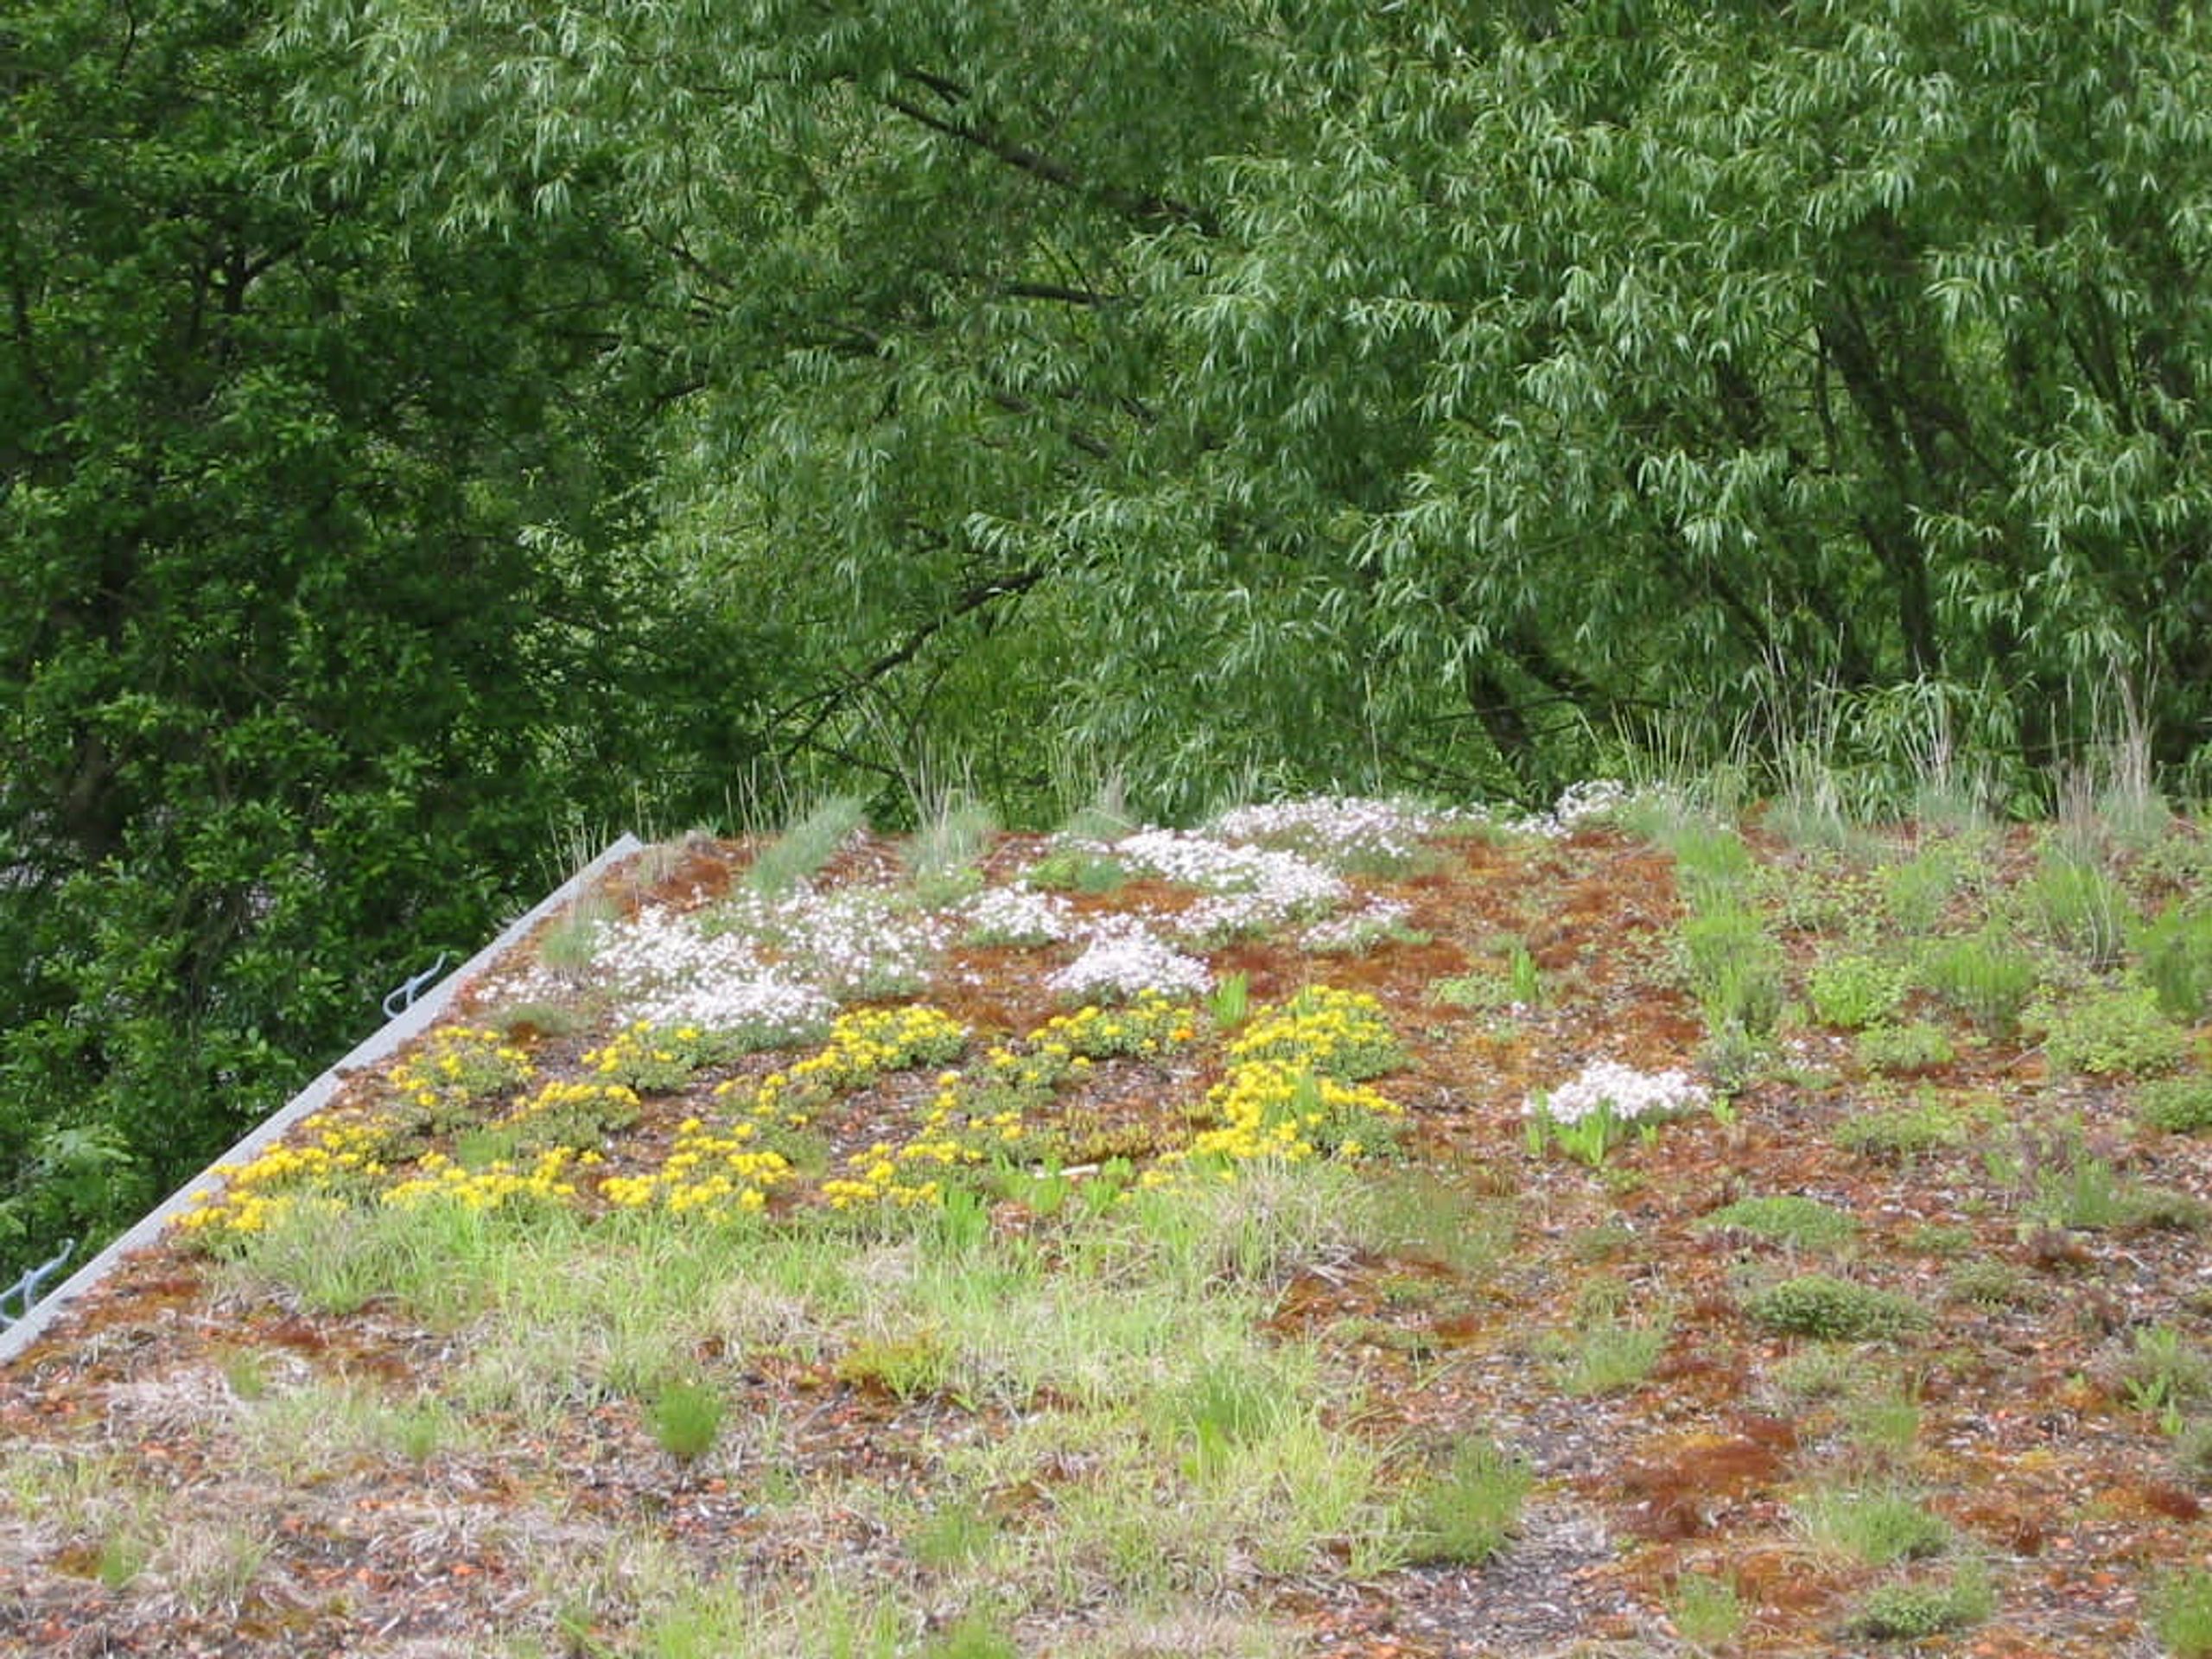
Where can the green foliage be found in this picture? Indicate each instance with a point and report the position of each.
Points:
(1919, 1045)
(311, 626)
(2110, 1030)
(1854, 990)
(1469, 1510)
(2178, 1105)
(1785, 1218)
(1833, 1310)
(1188, 386)
(1987, 977)
(1909, 1609)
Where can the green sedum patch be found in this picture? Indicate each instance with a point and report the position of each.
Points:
(1834, 1310)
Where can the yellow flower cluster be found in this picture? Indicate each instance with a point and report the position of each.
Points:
(1271, 1109)
(711, 1174)
(458, 1065)
(341, 1157)
(1062, 1049)
(651, 1060)
(572, 1114)
(1337, 1033)
(863, 1046)
(1293, 1088)
(882, 1174)
(495, 1186)
(1148, 1027)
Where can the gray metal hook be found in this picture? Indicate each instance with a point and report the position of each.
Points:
(401, 997)
(27, 1287)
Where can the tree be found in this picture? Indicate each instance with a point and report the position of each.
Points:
(308, 639)
(1386, 392)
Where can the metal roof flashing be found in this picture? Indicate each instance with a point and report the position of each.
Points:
(410, 1022)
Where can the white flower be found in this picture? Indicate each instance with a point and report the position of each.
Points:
(1249, 889)
(1631, 1094)
(1577, 803)
(1377, 919)
(1123, 959)
(1341, 828)
(1018, 915)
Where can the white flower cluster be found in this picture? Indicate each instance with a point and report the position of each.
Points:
(773, 970)
(857, 942)
(1577, 803)
(1377, 919)
(1339, 828)
(1631, 1094)
(767, 1009)
(659, 966)
(1017, 915)
(1249, 889)
(1123, 958)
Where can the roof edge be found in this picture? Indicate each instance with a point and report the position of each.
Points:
(417, 1018)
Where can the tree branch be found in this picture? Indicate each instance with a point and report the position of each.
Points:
(1139, 205)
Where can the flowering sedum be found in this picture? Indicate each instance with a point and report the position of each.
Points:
(1607, 1086)
(340, 1158)
(1125, 959)
(576, 1115)
(1273, 1109)
(713, 1173)
(1338, 830)
(863, 1046)
(650, 1058)
(1018, 915)
(1333, 1033)
(458, 1066)
(1294, 1088)
(494, 1186)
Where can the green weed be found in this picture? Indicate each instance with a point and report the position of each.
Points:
(1898, 1134)
(1878, 1527)
(1834, 1310)
(1987, 977)
(1914, 1609)
(2079, 908)
(2178, 1105)
(1708, 1612)
(1609, 1355)
(2174, 955)
(686, 1418)
(1734, 968)
(1916, 893)
(2110, 1030)
(1786, 1218)
(1855, 990)
(1918, 1046)
(1469, 1510)
(2183, 1615)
